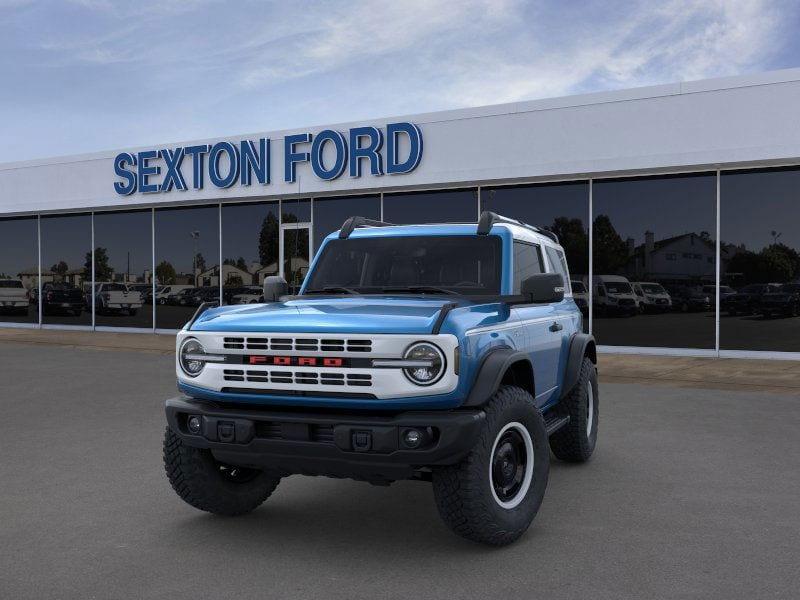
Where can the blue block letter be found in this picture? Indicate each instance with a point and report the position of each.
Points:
(393, 130)
(146, 170)
(122, 159)
(213, 164)
(370, 151)
(173, 176)
(318, 147)
(197, 153)
(254, 161)
(290, 157)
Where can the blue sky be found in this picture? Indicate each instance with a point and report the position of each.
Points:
(86, 75)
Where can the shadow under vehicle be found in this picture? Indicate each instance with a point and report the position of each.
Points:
(783, 302)
(747, 300)
(62, 298)
(690, 299)
(652, 297)
(14, 298)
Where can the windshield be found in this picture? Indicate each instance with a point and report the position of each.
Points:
(10, 283)
(578, 287)
(653, 288)
(616, 287)
(462, 264)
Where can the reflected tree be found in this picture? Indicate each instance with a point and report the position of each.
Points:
(102, 270)
(165, 273)
(610, 250)
(268, 241)
(575, 240)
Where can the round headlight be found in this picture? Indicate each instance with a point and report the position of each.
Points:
(189, 365)
(431, 363)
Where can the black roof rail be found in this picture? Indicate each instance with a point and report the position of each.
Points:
(488, 219)
(355, 222)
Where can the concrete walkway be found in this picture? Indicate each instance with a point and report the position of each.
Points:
(778, 376)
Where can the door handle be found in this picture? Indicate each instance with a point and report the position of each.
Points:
(556, 326)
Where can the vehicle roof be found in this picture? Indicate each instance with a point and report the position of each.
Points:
(518, 232)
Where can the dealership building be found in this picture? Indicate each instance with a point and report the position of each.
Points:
(681, 200)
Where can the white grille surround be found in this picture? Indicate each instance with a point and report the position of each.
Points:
(360, 379)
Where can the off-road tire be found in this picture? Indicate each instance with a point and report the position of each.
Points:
(571, 443)
(195, 476)
(463, 491)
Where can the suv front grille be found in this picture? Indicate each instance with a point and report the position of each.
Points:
(298, 377)
(284, 344)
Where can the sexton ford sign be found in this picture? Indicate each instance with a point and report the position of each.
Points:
(225, 164)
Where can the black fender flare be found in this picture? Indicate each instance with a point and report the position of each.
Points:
(491, 372)
(580, 345)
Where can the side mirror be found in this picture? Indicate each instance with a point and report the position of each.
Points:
(544, 288)
(274, 287)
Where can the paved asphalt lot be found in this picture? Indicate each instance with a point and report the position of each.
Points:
(691, 494)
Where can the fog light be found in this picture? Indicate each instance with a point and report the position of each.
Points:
(412, 438)
(194, 424)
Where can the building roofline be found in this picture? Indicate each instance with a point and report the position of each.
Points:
(716, 84)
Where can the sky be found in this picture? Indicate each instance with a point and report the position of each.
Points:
(89, 75)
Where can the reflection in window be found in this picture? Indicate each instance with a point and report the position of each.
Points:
(560, 207)
(123, 267)
(19, 270)
(187, 262)
(655, 230)
(330, 213)
(249, 250)
(450, 206)
(296, 210)
(760, 260)
(527, 262)
(66, 269)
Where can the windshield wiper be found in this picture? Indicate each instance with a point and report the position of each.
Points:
(419, 289)
(333, 289)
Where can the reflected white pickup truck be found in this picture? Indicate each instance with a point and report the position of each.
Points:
(13, 296)
(115, 298)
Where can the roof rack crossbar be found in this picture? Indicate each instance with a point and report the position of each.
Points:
(488, 219)
(355, 222)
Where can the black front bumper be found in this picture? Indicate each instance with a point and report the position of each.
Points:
(336, 444)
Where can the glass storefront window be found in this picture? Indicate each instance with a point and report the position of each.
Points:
(187, 262)
(250, 238)
(760, 260)
(330, 213)
(296, 210)
(19, 270)
(448, 206)
(654, 261)
(123, 268)
(560, 207)
(66, 269)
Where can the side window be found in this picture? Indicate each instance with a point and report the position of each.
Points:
(527, 262)
(559, 265)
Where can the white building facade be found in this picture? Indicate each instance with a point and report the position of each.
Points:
(686, 185)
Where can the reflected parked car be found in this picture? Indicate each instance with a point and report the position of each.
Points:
(725, 291)
(14, 298)
(181, 297)
(747, 300)
(197, 296)
(163, 294)
(784, 302)
(252, 295)
(581, 295)
(690, 299)
(614, 295)
(110, 298)
(145, 290)
(62, 298)
(652, 297)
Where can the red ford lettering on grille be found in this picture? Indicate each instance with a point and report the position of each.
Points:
(297, 361)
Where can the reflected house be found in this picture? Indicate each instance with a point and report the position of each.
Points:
(30, 277)
(263, 272)
(689, 258)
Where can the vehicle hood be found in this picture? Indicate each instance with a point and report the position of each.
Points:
(385, 314)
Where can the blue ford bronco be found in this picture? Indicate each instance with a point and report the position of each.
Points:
(449, 353)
